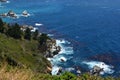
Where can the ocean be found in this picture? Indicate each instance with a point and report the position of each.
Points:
(87, 30)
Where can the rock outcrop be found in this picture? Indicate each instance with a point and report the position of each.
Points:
(12, 14)
(52, 48)
(96, 70)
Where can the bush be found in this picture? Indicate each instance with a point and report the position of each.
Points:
(27, 34)
(1, 26)
(14, 31)
(43, 39)
(67, 76)
(35, 34)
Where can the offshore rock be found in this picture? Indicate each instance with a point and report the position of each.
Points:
(12, 14)
(96, 70)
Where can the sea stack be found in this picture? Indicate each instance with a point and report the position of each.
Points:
(25, 13)
(11, 14)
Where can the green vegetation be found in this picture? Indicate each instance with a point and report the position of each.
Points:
(22, 59)
(43, 39)
(27, 34)
(1, 26)
(27, 74)
(22, 53)
(35, 34)
(14, 31)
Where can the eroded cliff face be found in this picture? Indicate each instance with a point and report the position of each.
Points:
(50, 48)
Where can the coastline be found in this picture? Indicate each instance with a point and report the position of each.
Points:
(58, 56)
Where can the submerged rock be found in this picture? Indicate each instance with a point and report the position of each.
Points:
(109, 58)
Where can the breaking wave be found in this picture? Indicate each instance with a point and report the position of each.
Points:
(106, 68)
(60, 58)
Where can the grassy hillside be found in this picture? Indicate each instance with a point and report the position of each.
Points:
(22, 53)
(28, 74)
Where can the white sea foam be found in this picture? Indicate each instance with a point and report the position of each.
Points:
(59, 42)
(26, 15)
(34, 29)
(57, 59)
(50, 35)
(60, 58)
(8, 2)
(64, 49)
(106, 68)
(70, 69)
(21, 15)
(55, 70)
(38, 24)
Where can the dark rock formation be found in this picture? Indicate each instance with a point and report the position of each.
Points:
(51, 48)
(12, 14)
(60, 71)
(96, 70)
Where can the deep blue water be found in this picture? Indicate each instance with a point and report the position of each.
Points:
(92, 26)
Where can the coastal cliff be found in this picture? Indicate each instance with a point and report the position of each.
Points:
(30, 49)
(23, 56)
(20, 51)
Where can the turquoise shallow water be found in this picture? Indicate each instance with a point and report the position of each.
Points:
(91, 26)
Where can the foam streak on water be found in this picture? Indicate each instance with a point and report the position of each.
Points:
(56, 60)
(106, 68)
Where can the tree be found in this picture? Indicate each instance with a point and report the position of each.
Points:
(27, 34)
(43, 39)
(35, 35)
(1, 26)
(68, 76)
(14, 31)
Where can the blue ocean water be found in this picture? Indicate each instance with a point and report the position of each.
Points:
(92, 27)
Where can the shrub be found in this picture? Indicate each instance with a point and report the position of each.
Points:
(1, 26)
(27, 34)
(14, 31)
(67, 76)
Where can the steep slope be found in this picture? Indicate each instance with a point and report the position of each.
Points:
(22, 53)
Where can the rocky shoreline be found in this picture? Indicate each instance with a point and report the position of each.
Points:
(52, 49)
